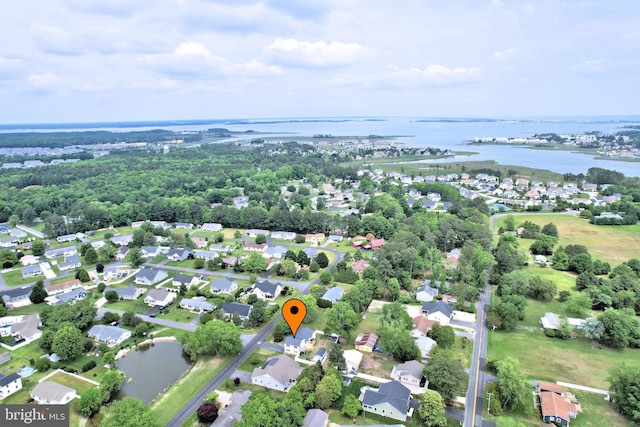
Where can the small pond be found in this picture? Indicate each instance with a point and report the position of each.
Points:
(150, 370)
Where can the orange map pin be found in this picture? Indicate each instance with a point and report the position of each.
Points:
(293, 311)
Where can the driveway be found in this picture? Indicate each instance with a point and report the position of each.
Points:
(274, 347)
(232, 413)
(244, 376)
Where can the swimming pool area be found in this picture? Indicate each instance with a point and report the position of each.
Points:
(26, 371)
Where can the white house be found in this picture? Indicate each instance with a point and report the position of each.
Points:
(130, 293)
(150, 251)
(182, 279)
(305, 339)
(70, 262)
(231, 308)
(52, 393)
(408, 373)
(9, 384)
(29, 260)
(278, 373)
(283, 235)
(25, 327)
(352, 358)
(255, 232)
(112, 335)
(425, 292)
(266, 290)
(439, 311)
(211, 226)
(391, 400)
(425, 344)
(150, 276)
(178, 254)
(159, 298)
(223, 286)
(197, 304)
(31, 271)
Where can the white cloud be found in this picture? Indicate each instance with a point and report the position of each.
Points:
(433, 75)
(505, 53)
(294, 53)
(193, 59)
(55, 40)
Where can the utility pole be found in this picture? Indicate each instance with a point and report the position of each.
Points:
(489, 403)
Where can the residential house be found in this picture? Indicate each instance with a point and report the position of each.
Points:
(550, 321)
(122, 240)
(557, 409)
(241, 202)
(160, 224)
(111, 335)
(65, 251)
(178, 254)
(17, 233)
(70, 263)
(352, 358)
(9, 384)
(9, 242)
(421, 326)
(408, 373)
(542, 386)
(254, 247)
(334, 294)
(392, 400)
(29, 260)
(97, 244)
(366, 342)
(211, 226)
(182, 279)
(150, 276)
(122, 253)
(439, 311)
(216, 247)
(450, 299)
(112, 272)
(16, 297)
(130, 293)
(52, 393)
(314, 238)
(137, 224)
(66, 238)
(303, 341)
(316, 418)
(31, 271)
(320, 356)
(334, 238)
(159, 298)
(375, 244)
(283, 235)
(359, 266)
(184, 226)
(63, 287)
(223, 285)
(200, 242)
(266, 290)
(426, 293)
(231, 308)
(205, 255)
(253, 232)
(229, 261)
(68, 297)
(278, 373)
(429, 204)
(425, 345)
(150, 251)
(197, 304)
(277, 252)
(25, 327)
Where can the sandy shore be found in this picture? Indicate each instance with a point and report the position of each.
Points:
(125, 351)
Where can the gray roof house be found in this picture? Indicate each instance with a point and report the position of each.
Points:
(231, 308)
(178, 254)
(122, 253)
(334, 294)
(30, 271)
(253, 232)
(10, 384)
(439, 311)
(129, 293)
(183, 279)
(52, 393)
(198, 304)
(112, 335)
(159, 298)
(61, 252)
(278, 373)
(304, 339)
(425, 292)
(277, 252)
(16, 297)
(316, 418)
(150, 276)
(70, 263)
(223, 286)
(206, 255)
(283, 235)
(211, 226)
(69, 297)
(150, 251)
(392, 400)
(267, 290)
(122, 240)
(408, 373)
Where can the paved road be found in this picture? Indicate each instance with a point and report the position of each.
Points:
(30, 230)
(162, 322)
(232, 366)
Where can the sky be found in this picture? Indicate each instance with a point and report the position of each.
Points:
(129, 60)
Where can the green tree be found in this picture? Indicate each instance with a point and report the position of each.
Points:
(329, 389)
(509, 223)
(129, 412)
(399, 342)
(431, 410)
(312, 307)
(261, 410)
(260, 239)
(322, 260)
(256, 263)
(444, 335)
(111, 296)
(593, 329)
(351, 406)
(7, 258)
(110, 384)
(293, 404)
(514, 389)
(83, 276)
(90, 402)
(109, 358)
(543, 245)
(303, 258)
(214, 337)
(106, 254)
(91, 256)
(68, 342)
(37, 247)
(550, 230)
(446, 376)
(325, 278)
(288, 268)
(541, 289)
(396, 315)
(625, 384)
(341, 318)
(258, 314)
(561, 260)
(135, 257)
(336, 358)
(280, 330)
(42, 364)
(579, 304)
(581, 263)
(38, 293)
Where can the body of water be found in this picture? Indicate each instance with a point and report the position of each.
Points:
(452, 134)
(150, 371)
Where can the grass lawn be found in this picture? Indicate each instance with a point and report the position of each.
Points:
(553, 359)
(613, 244)
(28, 309)
(564, 280)
(183, 390)
(596, 411)
(257, 359)
(463, 354)
(73, 382)
(137, 306)
(14, 278)
(174, 312)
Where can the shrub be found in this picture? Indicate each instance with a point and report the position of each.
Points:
(550, 333)
(89, 366)
(42, 365)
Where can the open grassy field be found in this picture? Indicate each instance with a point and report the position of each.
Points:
(614, 244)
(185, 388)
(553, 359)
(14, 278)
(70, 381)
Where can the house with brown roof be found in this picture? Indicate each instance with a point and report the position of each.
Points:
(543, 386)
(359, 266)
(278, 373)
(366, 342)
(255, 247)
(556, 408)
(421, 326)
(375, 244)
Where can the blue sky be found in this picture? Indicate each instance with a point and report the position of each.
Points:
(107, 60)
